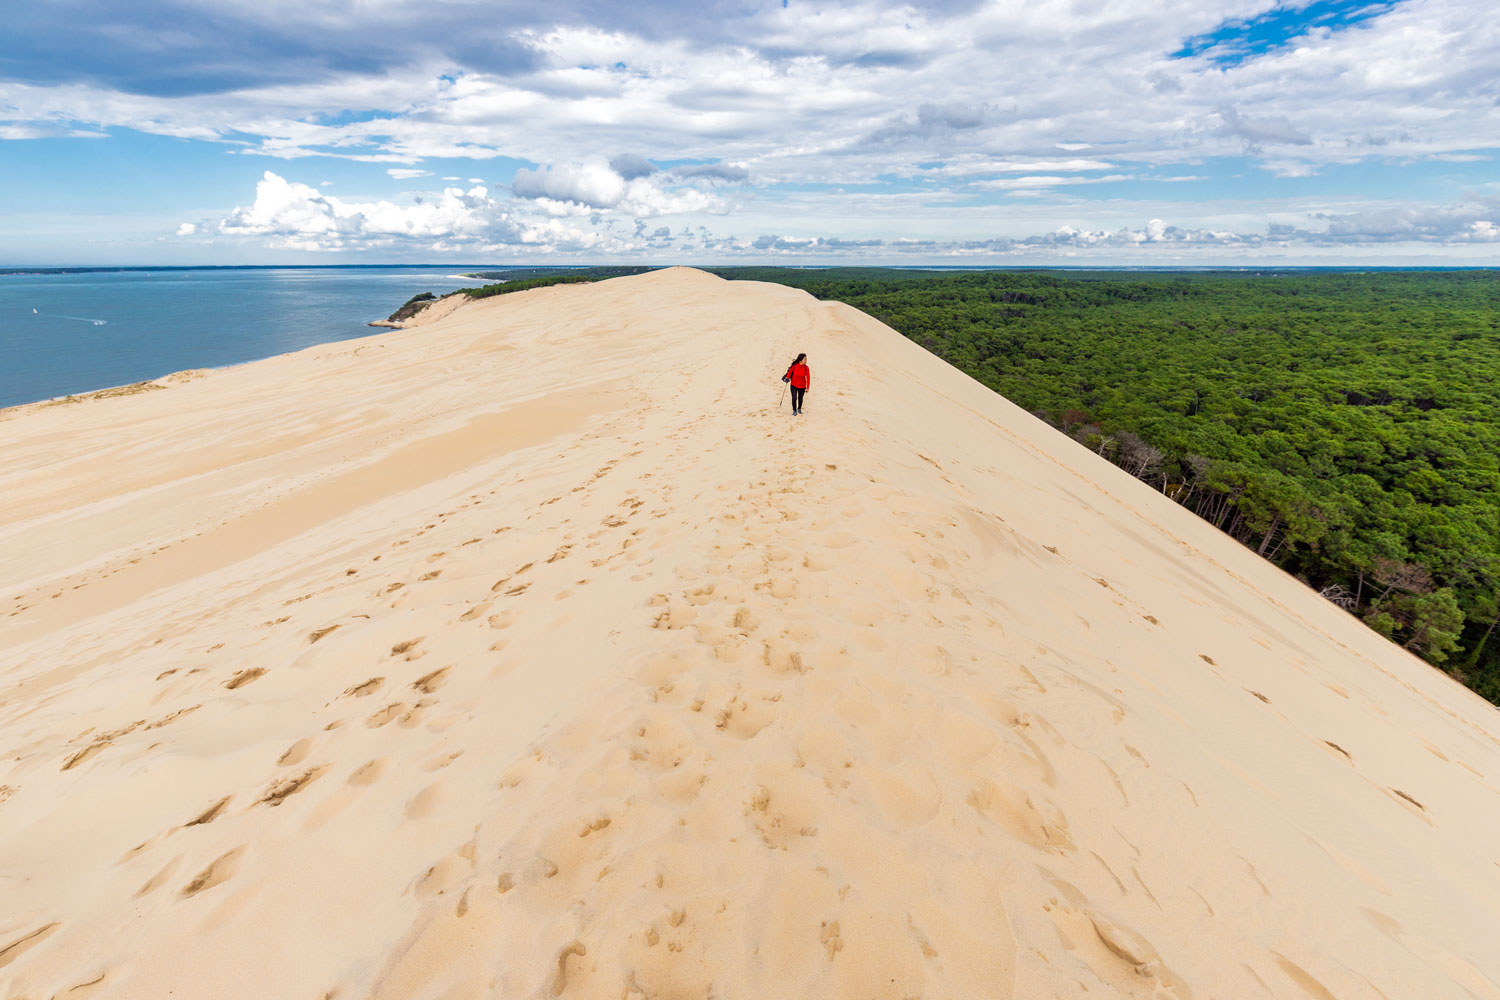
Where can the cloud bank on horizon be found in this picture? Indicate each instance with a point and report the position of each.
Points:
(947, 131)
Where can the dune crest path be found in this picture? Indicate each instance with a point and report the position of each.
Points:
(534, 651)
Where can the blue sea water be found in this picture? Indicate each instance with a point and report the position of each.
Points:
(69, 333)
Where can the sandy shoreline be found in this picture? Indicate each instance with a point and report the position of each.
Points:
(535, 652)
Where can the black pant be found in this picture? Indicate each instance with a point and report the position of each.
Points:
(797, 395)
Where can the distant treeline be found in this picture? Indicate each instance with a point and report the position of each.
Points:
(517, 279)
(1345, 426)
(522, 278)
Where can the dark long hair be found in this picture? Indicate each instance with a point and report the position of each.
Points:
(799, 360)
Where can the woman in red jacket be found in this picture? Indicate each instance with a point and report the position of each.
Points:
(801, 379)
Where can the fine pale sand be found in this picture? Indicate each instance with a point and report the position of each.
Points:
(535, 652)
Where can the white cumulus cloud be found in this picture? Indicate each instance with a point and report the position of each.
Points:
(302, 217)
(591, 182)
(596, 183)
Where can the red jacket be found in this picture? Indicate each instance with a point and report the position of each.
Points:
(800, 375)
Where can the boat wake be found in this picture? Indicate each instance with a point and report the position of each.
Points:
(77, 319)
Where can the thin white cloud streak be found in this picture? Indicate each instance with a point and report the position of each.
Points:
(1044, 181)
(977, 167)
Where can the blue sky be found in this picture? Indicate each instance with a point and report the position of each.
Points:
(954, 131)
(1237, 39)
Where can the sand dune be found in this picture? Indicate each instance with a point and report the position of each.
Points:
(534, 652)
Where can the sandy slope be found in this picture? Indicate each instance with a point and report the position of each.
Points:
(535, 652)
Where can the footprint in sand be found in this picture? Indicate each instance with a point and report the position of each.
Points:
(172, 717)
(368, 687)
(243, 677)
(296, 753)
(385, 715)
(839, 539)
(210, 814)
(424, 802)
(429, 683)
(441, 761)
(159, 879)
(84, 754)
(220, 870)
(369, 773)
(413, 716)
(285, 788)
(409, 648)
(476, 611)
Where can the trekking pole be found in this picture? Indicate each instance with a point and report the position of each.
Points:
(783, 396)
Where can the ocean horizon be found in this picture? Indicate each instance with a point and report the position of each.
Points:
(78, 330)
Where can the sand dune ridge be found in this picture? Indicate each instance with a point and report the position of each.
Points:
(533, 651)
